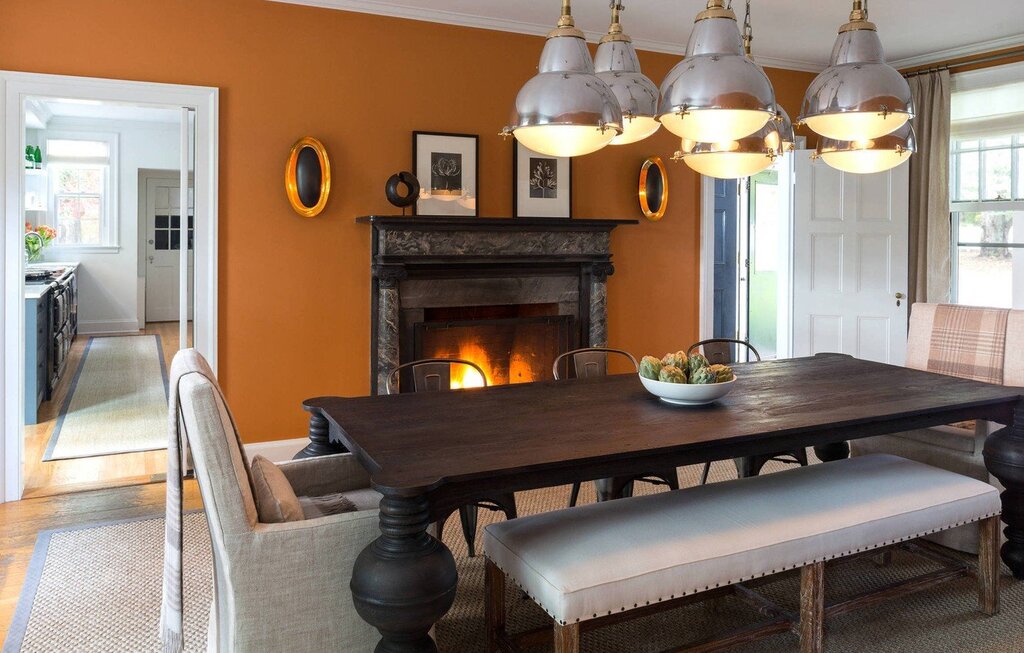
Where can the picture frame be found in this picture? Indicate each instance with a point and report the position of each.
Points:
(541, 184)
(448, 169)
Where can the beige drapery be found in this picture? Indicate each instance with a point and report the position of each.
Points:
(930, 234)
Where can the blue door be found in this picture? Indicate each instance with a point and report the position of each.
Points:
(726, 257)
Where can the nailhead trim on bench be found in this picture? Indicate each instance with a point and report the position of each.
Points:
(761, 575)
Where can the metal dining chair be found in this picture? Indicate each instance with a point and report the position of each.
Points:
(435, 375)
(719, 351)
(590, 362)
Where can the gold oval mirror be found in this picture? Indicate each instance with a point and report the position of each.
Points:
(307, 177)
(653, 190)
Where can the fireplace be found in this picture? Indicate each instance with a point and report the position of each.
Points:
(508, 295)
(511, 343)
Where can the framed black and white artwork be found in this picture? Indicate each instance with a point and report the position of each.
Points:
(448, 170)
(541, 184)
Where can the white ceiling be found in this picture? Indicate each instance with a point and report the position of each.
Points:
(40, 110)
(787, 33)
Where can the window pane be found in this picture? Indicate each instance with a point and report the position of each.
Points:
(997, 174)
(1002, 141)
(68, 180)
(985, 274)
(78, 220)
(161, 240)
(77, 149)
(1020, 171)
(967, 145)
(91, 180)
(968, 167)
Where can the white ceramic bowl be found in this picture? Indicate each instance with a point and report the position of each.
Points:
(686, 394)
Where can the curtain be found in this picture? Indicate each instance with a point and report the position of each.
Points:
(930, 234)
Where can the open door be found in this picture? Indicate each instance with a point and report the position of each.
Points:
(850, 238)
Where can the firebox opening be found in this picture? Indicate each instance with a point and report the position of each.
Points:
(512, 344)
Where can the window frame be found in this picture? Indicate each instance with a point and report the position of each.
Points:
(1016, 149)
(110, 229)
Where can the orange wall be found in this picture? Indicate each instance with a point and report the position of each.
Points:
(295, 292)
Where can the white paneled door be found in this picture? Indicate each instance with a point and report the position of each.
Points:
(163, 248)
(850, 262)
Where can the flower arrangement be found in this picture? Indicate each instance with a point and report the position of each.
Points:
(36, 238)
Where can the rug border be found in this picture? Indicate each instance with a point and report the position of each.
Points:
(52, 443)
(34, 574)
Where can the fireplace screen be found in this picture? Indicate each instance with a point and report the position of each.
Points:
(511, 344)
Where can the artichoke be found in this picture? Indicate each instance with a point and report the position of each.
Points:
(677, 359)
(696, 362)
(703, 376)
(723, 372)
(672, 374)
(650, 367)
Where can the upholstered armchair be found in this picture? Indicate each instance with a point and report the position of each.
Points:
(277, 586)
(984, 344)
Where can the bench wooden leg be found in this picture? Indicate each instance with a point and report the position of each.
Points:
(812, 608)
(988, 566)
(494, 606)
(567, 638)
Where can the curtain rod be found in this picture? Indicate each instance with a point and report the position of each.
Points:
(950, 66)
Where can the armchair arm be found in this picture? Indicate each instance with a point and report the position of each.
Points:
(322, 475)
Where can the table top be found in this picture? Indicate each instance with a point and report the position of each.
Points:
(414, 443)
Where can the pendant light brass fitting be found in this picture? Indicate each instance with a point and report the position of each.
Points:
(858, 19)
(615, 32)
(715, 9)
(566, 25)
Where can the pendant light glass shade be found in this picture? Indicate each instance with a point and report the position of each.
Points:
(618, 66)
(869, 155)
(733, 159)
(565, 110)
(715, 93)
(858, 96)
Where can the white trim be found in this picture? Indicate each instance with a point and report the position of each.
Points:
(962, 51)
(379, 8)
(107, 327)
(14, 88)
(707, 258)
(276, 451)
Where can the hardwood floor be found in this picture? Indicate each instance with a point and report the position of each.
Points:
(21, 522)
(61, 476)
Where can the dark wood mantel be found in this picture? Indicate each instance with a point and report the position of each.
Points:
(448, 223)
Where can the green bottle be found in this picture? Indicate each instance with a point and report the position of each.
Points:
(37, 158)
(30, 159)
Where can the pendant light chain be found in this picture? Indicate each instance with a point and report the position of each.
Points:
(748, 30)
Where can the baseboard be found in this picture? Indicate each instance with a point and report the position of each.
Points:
(107, 327)
(277, 451)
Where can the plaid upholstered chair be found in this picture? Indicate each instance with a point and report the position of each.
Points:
(983, 344)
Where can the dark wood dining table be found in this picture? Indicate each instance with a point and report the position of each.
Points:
(429, 453)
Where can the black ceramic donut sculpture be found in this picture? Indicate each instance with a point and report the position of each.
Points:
(391, 189)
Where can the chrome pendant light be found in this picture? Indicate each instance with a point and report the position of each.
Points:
(716, 93)
(732, 159)
(617, 65)
(869, 155)
(858, 96)
(565, 110)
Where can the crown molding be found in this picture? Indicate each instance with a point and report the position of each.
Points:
(444, 17)
(941, 56)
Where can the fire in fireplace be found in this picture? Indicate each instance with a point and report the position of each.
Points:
(511, 344)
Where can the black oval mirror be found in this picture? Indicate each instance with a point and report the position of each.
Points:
(308, 177)
(653, 191)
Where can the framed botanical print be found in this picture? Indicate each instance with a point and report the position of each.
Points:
(541, 184)
(447, 166)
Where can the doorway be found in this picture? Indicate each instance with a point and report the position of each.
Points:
(85, 401)
(749, 239)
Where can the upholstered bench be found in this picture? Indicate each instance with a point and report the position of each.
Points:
(593, 562)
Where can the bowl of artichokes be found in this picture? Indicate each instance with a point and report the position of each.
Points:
(685, 380)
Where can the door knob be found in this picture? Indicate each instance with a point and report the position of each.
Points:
(150, 259)
(150, 242)
(899, 298)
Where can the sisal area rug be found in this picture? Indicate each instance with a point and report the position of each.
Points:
(97, 589)
(117, 402)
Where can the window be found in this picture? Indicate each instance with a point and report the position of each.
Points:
(82, 188)
(987, 188)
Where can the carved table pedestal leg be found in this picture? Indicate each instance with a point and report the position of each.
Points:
(405, 581)
(319, 438)
(832, 451)
(1004, 458)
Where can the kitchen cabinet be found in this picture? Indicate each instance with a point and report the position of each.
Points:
(51, 324)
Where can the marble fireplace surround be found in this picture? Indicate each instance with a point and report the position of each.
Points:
(420, 262)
